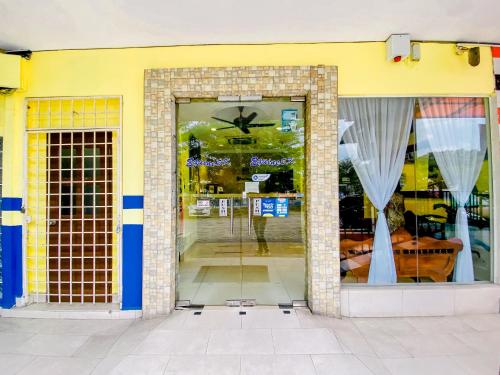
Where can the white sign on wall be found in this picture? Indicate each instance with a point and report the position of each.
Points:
(222, 207)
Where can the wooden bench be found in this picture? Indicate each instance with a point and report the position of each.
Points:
(425, 257)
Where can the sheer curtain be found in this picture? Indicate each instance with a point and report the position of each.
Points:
(456, 135)
(376, 145)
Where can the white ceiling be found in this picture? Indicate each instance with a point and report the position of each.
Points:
(73, 24)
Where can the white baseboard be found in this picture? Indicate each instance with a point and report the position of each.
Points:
(42, 313)
(419, 300)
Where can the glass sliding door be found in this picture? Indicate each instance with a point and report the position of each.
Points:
(240, 214)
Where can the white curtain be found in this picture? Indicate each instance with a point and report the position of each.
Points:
(377, 142)
(458, 144)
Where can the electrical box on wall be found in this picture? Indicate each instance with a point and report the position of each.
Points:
(397, 47)
(10, 72)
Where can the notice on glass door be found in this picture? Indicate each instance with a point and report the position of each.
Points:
(222, 207)
(289, 119)
(251, 187)
(281, 207)
(203, 203)
(274, 207)
(268, 207)
(257, 211)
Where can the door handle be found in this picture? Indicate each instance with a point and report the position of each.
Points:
(52, 222)
(249, 216)
(232, 218)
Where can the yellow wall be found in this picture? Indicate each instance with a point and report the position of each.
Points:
(363, 70)
(10, 71)
(2, 115)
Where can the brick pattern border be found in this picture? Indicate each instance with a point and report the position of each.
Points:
(162, 86)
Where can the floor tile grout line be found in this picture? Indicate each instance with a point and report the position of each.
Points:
(273, 341)
(166, 364)
(26, 364)
(210, 333)
(363, 363)
(369, 369)
(313, 364)
(358, 330)
(96, 365)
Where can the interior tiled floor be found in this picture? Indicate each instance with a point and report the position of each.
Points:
(212, 272)
(264, 341)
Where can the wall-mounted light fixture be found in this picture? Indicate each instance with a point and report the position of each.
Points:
(472, 50)
(415, 54)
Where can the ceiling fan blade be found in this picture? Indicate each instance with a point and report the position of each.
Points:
(226, 127)
(222, 120)
(245, 130)
(250, 117)
(259, 125)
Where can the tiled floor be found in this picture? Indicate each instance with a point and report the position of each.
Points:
(264, 341)
(212, 272)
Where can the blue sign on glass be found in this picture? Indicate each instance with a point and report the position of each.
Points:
(274, 207)
(267, 206)
(281, 207)
(289, 118)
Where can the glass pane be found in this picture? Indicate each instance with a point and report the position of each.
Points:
(376, 147)
(454, 225)
(234, 160)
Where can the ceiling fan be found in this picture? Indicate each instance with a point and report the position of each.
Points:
(241, 122)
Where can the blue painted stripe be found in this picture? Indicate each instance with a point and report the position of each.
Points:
(132, 267)
(12, 269)
(133, 201)
(12, 204)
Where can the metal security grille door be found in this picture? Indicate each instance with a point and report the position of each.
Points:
(72, 207)
(80, 217)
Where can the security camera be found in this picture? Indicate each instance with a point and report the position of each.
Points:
(25, 54)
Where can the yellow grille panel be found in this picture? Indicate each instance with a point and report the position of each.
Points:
(68, 113)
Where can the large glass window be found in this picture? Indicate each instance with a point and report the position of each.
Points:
(414, 190)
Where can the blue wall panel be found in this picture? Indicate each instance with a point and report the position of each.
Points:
(12, 264)
(132, 267)
(133, 202)
(11, 204)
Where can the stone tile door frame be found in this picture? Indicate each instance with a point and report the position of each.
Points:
(161, 89)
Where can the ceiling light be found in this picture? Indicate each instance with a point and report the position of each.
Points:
(213, 129)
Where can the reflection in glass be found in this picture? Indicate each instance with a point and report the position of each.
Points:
(378, 136)
(438, 215)
(259, 226)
